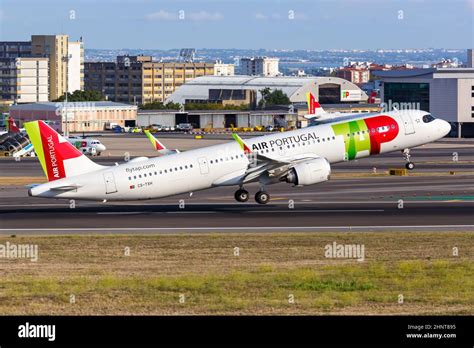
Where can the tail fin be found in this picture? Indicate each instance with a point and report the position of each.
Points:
(57, 156)
(156, 144)
(11, 126)
(314, 108)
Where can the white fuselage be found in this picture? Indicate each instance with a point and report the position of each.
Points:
(226, 164)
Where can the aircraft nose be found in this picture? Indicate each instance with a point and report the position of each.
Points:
(100, 148)
(445, 127)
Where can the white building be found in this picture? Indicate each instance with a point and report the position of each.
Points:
(447, 93)
(327, 90)
(259, 66)
(75, 68)
(24, 80)
(221, 69)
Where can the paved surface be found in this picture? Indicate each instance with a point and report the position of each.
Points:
(371, 204)
(433, 200)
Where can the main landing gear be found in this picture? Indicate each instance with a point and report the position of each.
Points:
(406, 155)
(241, 195)
(261, 197)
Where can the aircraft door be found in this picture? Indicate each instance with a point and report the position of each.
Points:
(109, 180)
(203, 166)
(407, 123)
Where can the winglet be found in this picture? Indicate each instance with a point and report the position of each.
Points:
(155, 142)
(243, 146)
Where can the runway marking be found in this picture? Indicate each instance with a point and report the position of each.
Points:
(92, 205)
(317, 211)
(261, 228)
(190, 212)
(121, 212)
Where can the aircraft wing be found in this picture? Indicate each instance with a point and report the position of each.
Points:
(260, 164)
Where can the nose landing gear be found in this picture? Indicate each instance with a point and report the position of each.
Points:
(406, 155)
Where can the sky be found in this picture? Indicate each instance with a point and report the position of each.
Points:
(253, 24)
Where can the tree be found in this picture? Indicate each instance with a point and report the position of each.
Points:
(81, 96)
(276, 97)
(160, 106)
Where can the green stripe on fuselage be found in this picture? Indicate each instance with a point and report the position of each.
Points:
(354, 143)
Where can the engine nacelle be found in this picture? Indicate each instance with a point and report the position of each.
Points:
(309, 172)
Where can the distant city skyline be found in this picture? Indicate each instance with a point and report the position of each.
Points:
(245, 24)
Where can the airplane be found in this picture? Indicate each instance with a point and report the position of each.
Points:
(11, 127)
(300, 157)
(88, 146)
(317, 113)
(158, 146)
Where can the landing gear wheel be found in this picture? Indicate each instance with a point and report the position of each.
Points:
(241, 195)
(406, 155)
(262, 197)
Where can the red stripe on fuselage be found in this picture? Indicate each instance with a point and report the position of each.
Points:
(379, 137)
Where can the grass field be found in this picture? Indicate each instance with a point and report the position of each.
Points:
(201, 274)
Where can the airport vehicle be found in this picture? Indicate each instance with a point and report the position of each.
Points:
(168, 128)
(184, 127)
(299, 157)
(87, 146)
(156, 127)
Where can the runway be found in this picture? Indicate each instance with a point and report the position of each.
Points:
(353, 200)
(428, 204)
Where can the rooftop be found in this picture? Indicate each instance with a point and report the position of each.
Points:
(72, 105)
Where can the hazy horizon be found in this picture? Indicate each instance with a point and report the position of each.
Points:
(245, 24)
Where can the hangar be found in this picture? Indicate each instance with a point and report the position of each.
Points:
(327, 90)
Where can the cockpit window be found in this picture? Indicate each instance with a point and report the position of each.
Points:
(428, 118)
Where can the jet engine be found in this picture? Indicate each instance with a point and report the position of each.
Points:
(309, 172)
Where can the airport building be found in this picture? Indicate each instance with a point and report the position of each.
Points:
(327, 90)
(219, 119)
(447, 93)
(139, 79)
(80, 116)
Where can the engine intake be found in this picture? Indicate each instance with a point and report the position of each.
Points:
(309, 172)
